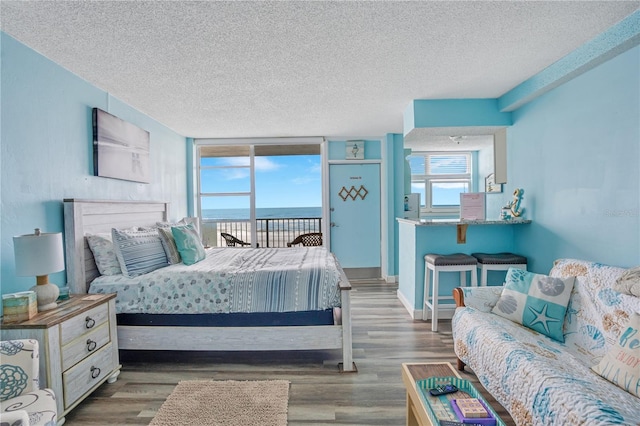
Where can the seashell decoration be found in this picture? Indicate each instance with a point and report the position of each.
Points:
(507, 304)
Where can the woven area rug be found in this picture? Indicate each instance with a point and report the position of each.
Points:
(207, 402)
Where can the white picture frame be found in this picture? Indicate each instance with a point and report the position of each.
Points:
(355, 150)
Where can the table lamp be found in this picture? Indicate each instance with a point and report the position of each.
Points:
(40, 254)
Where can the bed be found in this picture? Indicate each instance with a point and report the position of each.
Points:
(143, 325)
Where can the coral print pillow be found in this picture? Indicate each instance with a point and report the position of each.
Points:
(621, 365)
(536, 301)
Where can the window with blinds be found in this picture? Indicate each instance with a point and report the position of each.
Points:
(439, 178)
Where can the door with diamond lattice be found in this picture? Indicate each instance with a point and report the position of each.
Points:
(355, 217)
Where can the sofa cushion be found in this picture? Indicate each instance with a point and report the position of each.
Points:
(535, 301)
(596, 314)
(621, 365)
(39, 405)
(534, 377)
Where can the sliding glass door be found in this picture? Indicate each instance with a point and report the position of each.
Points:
(259, 194)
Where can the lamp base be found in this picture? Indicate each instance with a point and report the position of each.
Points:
(47, 295)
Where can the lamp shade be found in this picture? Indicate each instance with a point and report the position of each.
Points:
(38, 254)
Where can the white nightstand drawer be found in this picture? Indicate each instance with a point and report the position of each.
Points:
(84, 346)
(84, 322)
(79, 379)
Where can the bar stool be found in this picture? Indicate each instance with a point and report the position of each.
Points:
(437, 263)
(498, 262)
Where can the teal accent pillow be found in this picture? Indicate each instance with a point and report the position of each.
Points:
(536, 301)
(188, 243)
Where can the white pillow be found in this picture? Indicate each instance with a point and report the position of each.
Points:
(104, 254)
(184, 221)
(138, 252)
(621, 365)
(629, 282)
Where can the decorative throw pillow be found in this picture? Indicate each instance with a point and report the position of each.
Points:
(621, 365)
(189, 244)
(138, 252)
(184, 221)
(104, 254)
(629, 282)
(536, 301)
(169, 245)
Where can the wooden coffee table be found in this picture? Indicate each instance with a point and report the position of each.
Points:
(417, 412)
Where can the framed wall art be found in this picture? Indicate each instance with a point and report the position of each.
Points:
(355, 150)
(120, 149)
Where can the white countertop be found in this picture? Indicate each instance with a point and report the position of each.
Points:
(450, 222)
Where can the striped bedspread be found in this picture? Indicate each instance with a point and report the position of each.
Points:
(232, 280)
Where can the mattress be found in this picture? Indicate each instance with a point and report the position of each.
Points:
(231, 280)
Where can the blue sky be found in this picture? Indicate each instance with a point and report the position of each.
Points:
(281, 181)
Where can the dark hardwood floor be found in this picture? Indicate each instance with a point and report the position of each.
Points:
(384, 336)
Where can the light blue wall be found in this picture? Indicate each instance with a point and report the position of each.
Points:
(455, 113)
(46, 152)
(575, 151)
(393, 204)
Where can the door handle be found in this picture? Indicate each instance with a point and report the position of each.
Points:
(333, 225)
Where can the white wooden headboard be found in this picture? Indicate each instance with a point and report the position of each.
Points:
(83, 217)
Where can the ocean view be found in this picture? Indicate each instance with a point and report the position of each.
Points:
(263, 213)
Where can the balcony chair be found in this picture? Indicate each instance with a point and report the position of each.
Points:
(311, 239)
(233, 241)
(22, 401)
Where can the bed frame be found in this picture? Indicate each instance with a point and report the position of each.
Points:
(94, 216)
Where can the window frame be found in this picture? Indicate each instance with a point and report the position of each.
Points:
(428, 179)
(256, 147)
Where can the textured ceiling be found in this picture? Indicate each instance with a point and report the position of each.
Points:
(337, 69)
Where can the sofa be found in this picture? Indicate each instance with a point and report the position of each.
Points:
(545, 381)
(22, 402)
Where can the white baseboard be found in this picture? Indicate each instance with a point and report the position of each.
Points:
(446, 312)
(391, 279)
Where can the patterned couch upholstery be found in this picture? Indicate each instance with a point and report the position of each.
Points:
(537, 379)
(23, 403)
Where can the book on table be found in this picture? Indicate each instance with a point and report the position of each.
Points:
(472, 411)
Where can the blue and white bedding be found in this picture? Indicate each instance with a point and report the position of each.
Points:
(232, 280)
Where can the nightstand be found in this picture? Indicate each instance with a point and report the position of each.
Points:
(78, 346)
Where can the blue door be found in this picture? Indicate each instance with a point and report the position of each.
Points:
(355, 214)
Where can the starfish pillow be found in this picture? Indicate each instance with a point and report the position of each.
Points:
(536, 301)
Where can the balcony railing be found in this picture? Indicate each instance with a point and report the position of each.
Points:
(270, 232)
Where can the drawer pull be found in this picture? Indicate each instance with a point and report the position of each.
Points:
(91, 345)
(95, 372)
(89, 322)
